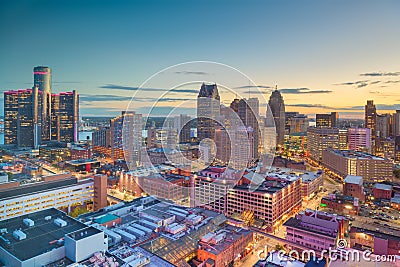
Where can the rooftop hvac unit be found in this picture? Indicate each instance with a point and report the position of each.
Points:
(47, 218)
(3, 231)
(19, 235)
(60, 222)
(28, 222)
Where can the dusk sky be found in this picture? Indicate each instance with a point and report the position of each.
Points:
(324, 55)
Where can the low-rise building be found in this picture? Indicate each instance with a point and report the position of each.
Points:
(311, 183)
(341, 204)
(380, 240)
(51, 192)
(353, 187)
(224, 246)
(49, 236)
(382, 191)
(316, 230)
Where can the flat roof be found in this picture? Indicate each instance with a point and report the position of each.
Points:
(78, 162)
(383, 186)
(352, 179)
(106, 218)
(36, 187)
(83, 233)
(41, 237)
(356, 154)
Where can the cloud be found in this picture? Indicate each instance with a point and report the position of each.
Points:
(393, 81)
(378, 74)
(132, 88)
(303, 91)
(360, 85)
(166, 110)
(254, 86)
(374, 82)
(378, 107)
(353, 83)
(309, 106)
(191, 72)
(103, 98)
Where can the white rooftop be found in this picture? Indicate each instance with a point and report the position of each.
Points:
(383, 186)
(352, 179)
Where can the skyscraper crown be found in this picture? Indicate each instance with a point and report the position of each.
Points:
(209, 90)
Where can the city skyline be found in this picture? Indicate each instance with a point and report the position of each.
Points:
(338, 56)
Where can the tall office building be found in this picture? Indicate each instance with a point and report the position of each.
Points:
(277, 106)
(65, 116)
(10, 117)
(360, 139)
(370, 121)
(208, 110)
(295, 123)
(396, 124)
(327, 120)
(42, 79)
(370, 116)
(383, 125)
(182, 125)
(126, 138)
(320, 139)
(31, 115)
(22, 117)
(235, 105)
(249, 112)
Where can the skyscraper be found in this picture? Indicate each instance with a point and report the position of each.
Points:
(360, 139)
(396, 124)
(277, 106)
(182, 125)
(65, 116)
(327, 120)
(32, 116)
(370, 117)
(10, 117)
(248, 111)
(22, 117)
(370, 121)
(383, 125)
(126, 138)
(42, 79)
(208, 110)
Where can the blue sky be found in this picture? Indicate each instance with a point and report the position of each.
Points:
(349, 49)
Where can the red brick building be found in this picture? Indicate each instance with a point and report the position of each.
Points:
(220, 249)
(382, 191)
(100, 192)
(353, 187)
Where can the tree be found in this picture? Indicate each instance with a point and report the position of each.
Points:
(77, 211)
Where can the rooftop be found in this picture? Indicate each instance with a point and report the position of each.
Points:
(356, 154)
(83, 233)
(81, 161)
(383, 186)
(41, 237)
(106, 218)
(37, 187)
(352, 179)
(231, 235)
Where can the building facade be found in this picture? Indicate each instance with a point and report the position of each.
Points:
(350, 162)
(277, 105)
